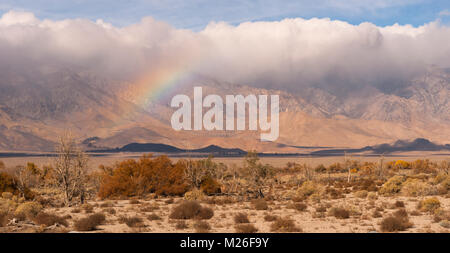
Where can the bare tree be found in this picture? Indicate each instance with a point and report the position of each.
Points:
(197, 171)
(22, 179)
(256, 173)
(70, 169)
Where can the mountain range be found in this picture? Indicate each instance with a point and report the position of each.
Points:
(104, 114)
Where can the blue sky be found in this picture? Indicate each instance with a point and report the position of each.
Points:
(196, 14)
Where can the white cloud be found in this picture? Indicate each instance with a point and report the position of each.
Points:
(288, 53)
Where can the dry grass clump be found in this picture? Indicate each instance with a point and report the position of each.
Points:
(361, 194)
(50, 219)
(27, 210)
(88, 208)
(107, 204)
(241, 218)
(376, 214)
(195, 194)
(110, 210)
(245, 228)
(321, 209)
(308, 188)
(134, 201)
(202, 227)
(440, 214)
(286, 225)
(339, 213)
(76, 210)
(399, 204)
(334, 193)
(90, 223)
(445, 224)
(269, 217)
(299, 206)
(191, 210)
(399, 221)
(132, 222)
(153, 217)
(414, 187)
(429, 205)
(260, 204)
(149, 208)
(181, 225)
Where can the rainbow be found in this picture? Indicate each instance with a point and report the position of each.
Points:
(156, 84)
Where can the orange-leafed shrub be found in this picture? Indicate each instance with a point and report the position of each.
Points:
(147, 175)
(210, 186)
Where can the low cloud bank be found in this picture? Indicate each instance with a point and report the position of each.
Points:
(291, 53)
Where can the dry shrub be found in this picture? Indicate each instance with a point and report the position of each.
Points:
(7, 195)
(260, 204)
(132, 222)
(153, 217)
(440, 214)
(246, 228)
(372, 196)
(429, 205)
(107, 204)
(423, 166)
(28, 210)
(376, 214)
(399, 204)
(90, 223)
(195, 194)
(401, 213)
(181, 225)
(110, 211)
(361, 194)
(339, 212)
(366, 185)
(334, 193)
(392, 186)
(414, 187)
(202, 227)
(149, 208)
(445, 224)
(241, 218)
(147, 175)
(191, 210)
(299, 206)
(399, 221)
(9, 183)
(210, 186)
(269, 217)
(3, 219)
(49, 219)
(88, 208)
(321, 209)
(285, 225)
(308, 188)
(134, 202)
